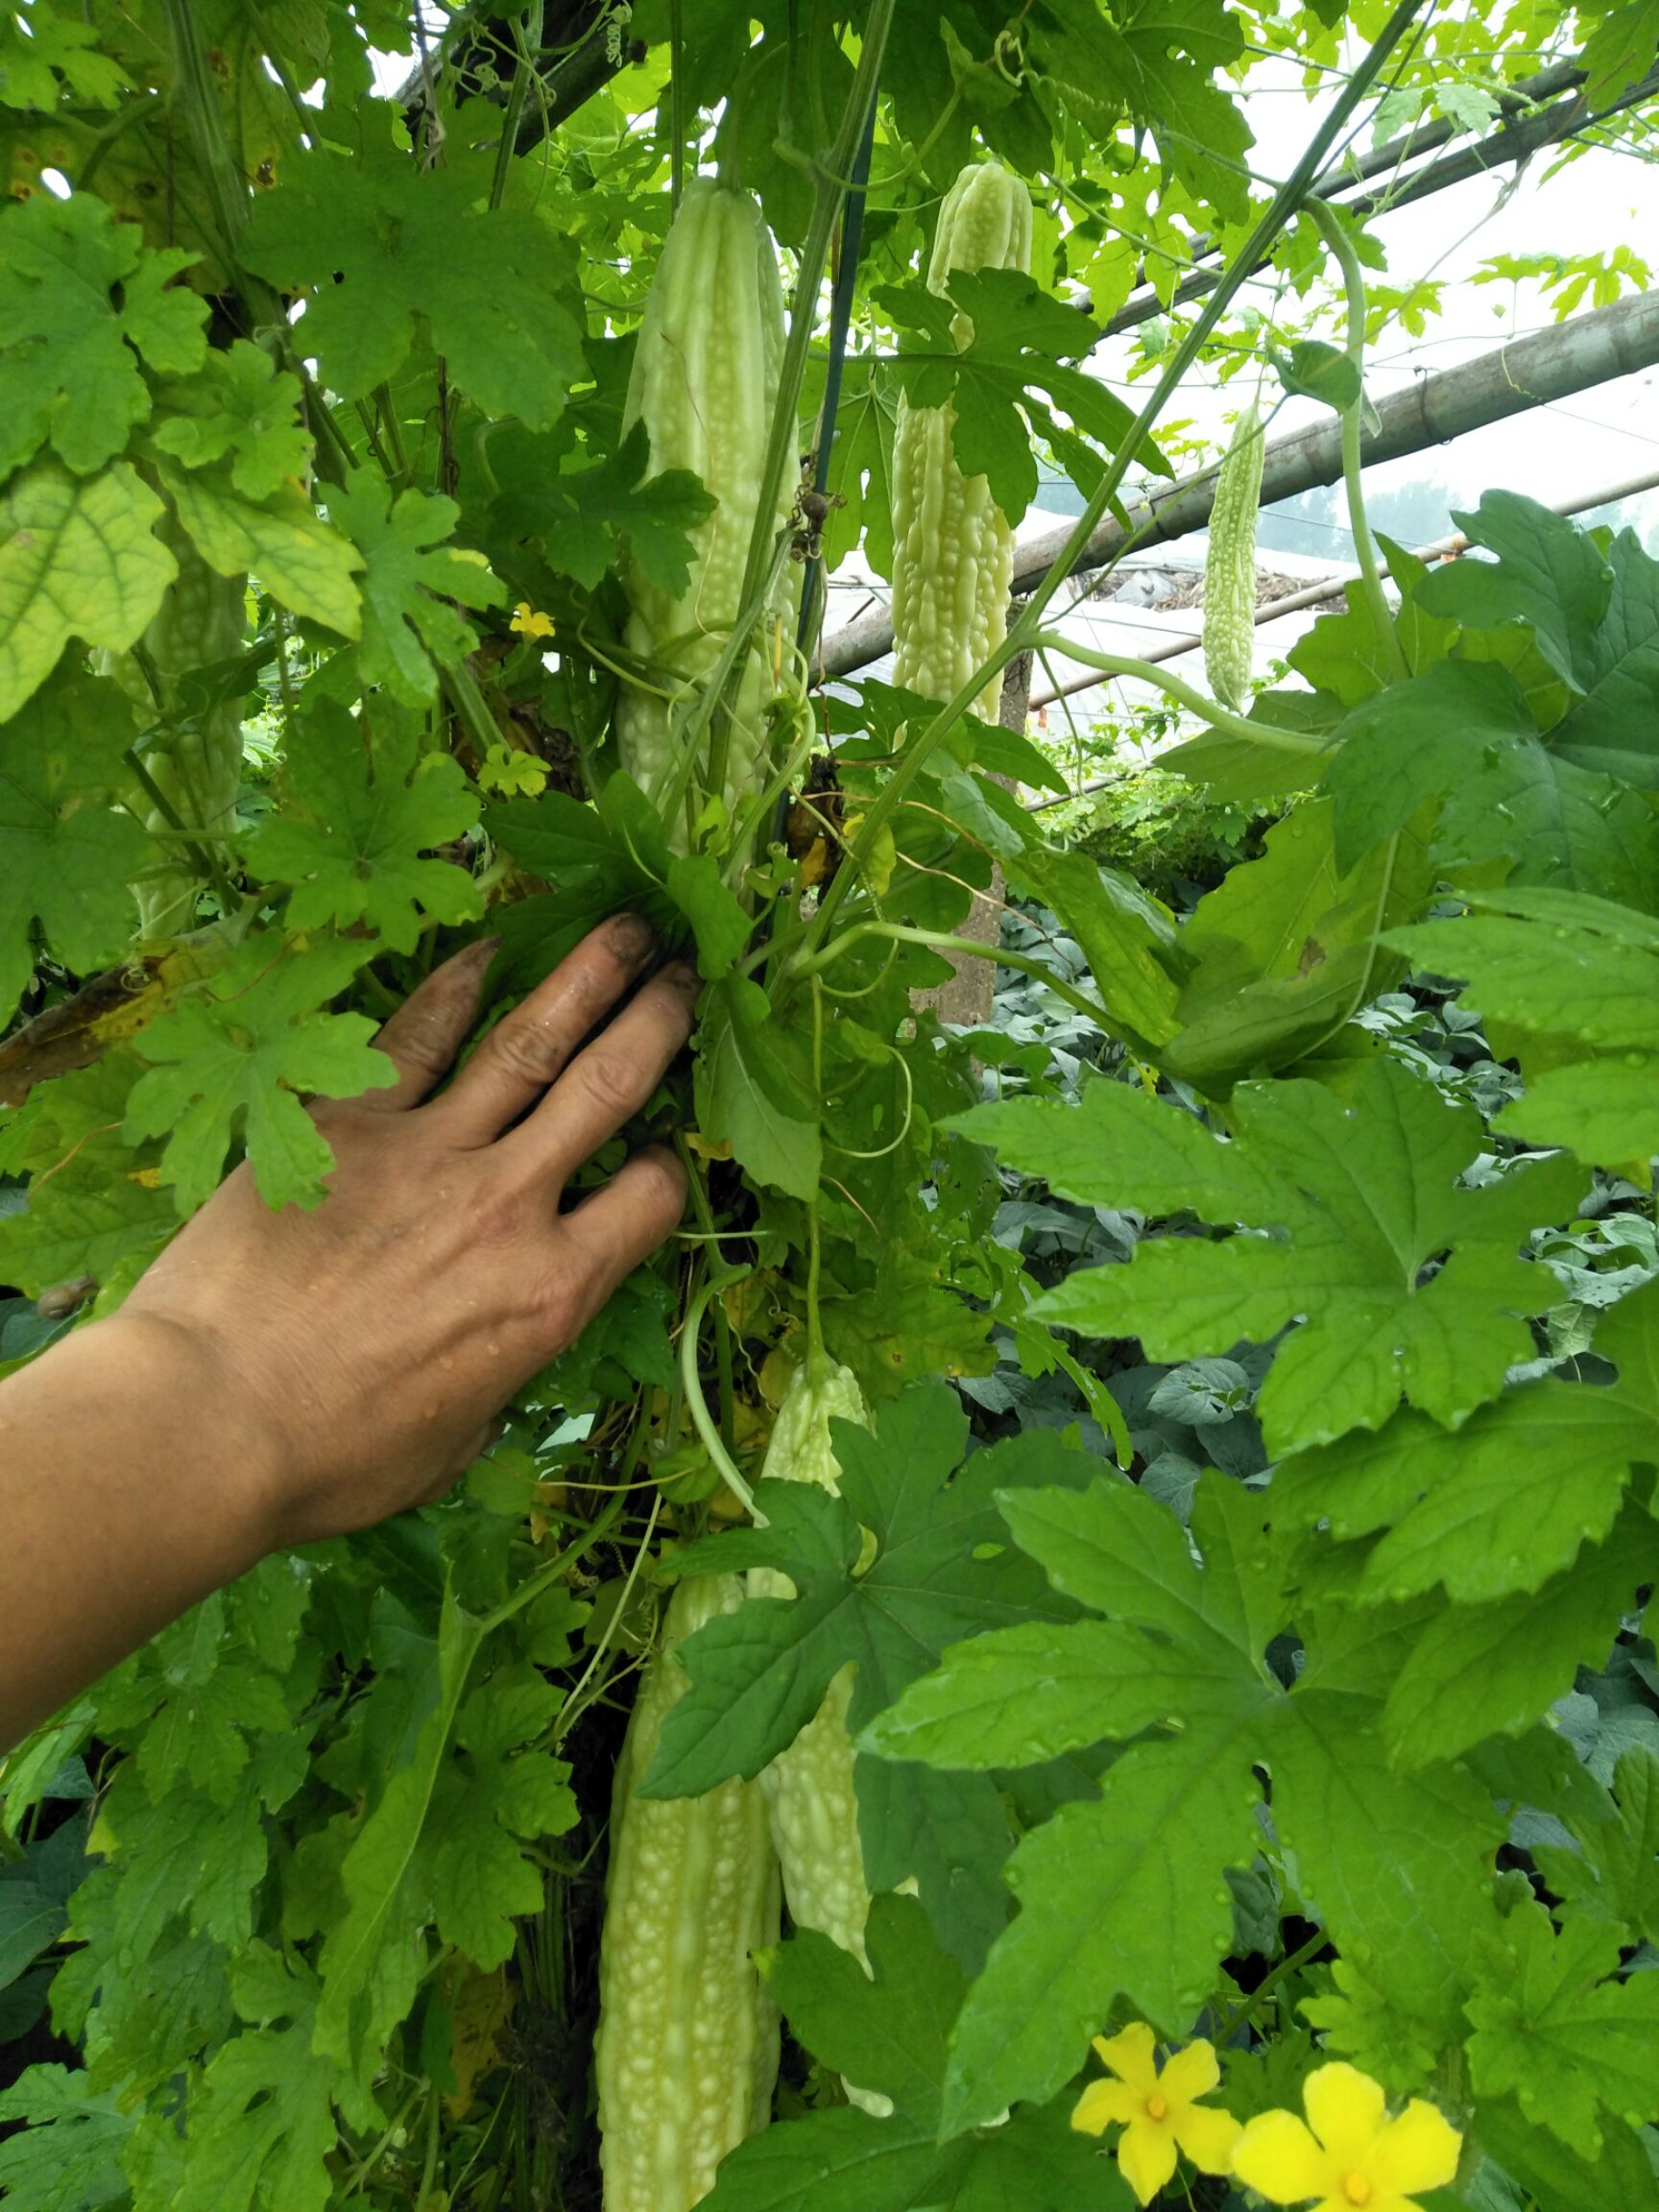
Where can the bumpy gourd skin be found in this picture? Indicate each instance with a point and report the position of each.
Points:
(954, 548)
(687, 2053)
(1230, 567)
(201, 619)
(703, 383)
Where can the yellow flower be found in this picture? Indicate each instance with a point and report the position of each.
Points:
(528, 623)
(1158, 2112)
(1350, 2154)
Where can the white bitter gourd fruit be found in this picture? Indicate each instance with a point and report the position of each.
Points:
(953, 546)
(686, 2052)
(703, 383)
(202, 620)
(1230, 567)
(810, 1792)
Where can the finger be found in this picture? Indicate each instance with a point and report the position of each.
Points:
(422, 1038)
(523, 1054)
(637, 1210)
(608, 1082)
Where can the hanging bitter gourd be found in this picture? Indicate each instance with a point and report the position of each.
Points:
(687, 2053)
(1230, 565)
(198, 770)
(808, 1788)
(704, 384)
(953, 545)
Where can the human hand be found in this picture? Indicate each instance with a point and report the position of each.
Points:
(361, 1352)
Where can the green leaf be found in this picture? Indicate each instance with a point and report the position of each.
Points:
(302, 561)
(1614, 1873)
(1555, 2028)
(1398, 1866)
(1539, 2161)
(746, 1092)
(390, 243)
(1565, 965)
(1485, 1669)
(66, 855)
(1157, 61)
(1611, 729)
(81, 299)
(373, 1954)
(1021, 339)
(1495, 1510)
(68, 2158)
(861, 471)
(1547, 575)
(411, 576)
(586, 517)
(364, 806)
(1180, 1651)
(262, 2125)
(1284, 951)
(1122, 1894)
(243, 406)
(1416, 742)
(87, 1211)
(78, 558)
(1619, 52)
(1560, 824)
(1361, 1196)
(758, 1674)
(887, 2032)
(232, 1059)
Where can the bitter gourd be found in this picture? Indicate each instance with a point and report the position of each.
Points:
(808, 1788)
(704, 384)
(953, 545)
(1230, 567)
(198, 770)
(687, 2053)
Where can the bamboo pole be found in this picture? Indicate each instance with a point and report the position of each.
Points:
(1514, 378)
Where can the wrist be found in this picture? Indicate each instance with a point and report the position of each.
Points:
(219, 1449)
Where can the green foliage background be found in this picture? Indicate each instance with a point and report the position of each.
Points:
(1260, 1313)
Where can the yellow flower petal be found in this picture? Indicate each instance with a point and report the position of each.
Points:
(1347, 2110)
(1105, 2104)
(1146, 2158)
(1207, 2136)
(1418, 2150)
(1191, 2072)
(1278, 2158)
(1129, 2056)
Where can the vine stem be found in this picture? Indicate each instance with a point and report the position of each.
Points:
(812, 964)
(1286, 202)
(1207, 710)
(1353, 432)
(1242, 2014)
(696, 1405)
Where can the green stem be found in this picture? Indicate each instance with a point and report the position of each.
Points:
(515, 94)
(705, 1214)
(1285, 202)
(1207, 710)
(941, 940)
(1352, 433)
(469, 703)
(676, 105)
(207, 858)
(696, 1403)
(1265, 1988)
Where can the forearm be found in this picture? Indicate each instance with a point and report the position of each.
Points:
(130, 1487)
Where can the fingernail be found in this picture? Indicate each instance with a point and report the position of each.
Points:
(680, 976)
(480, 953)
(631, 938)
